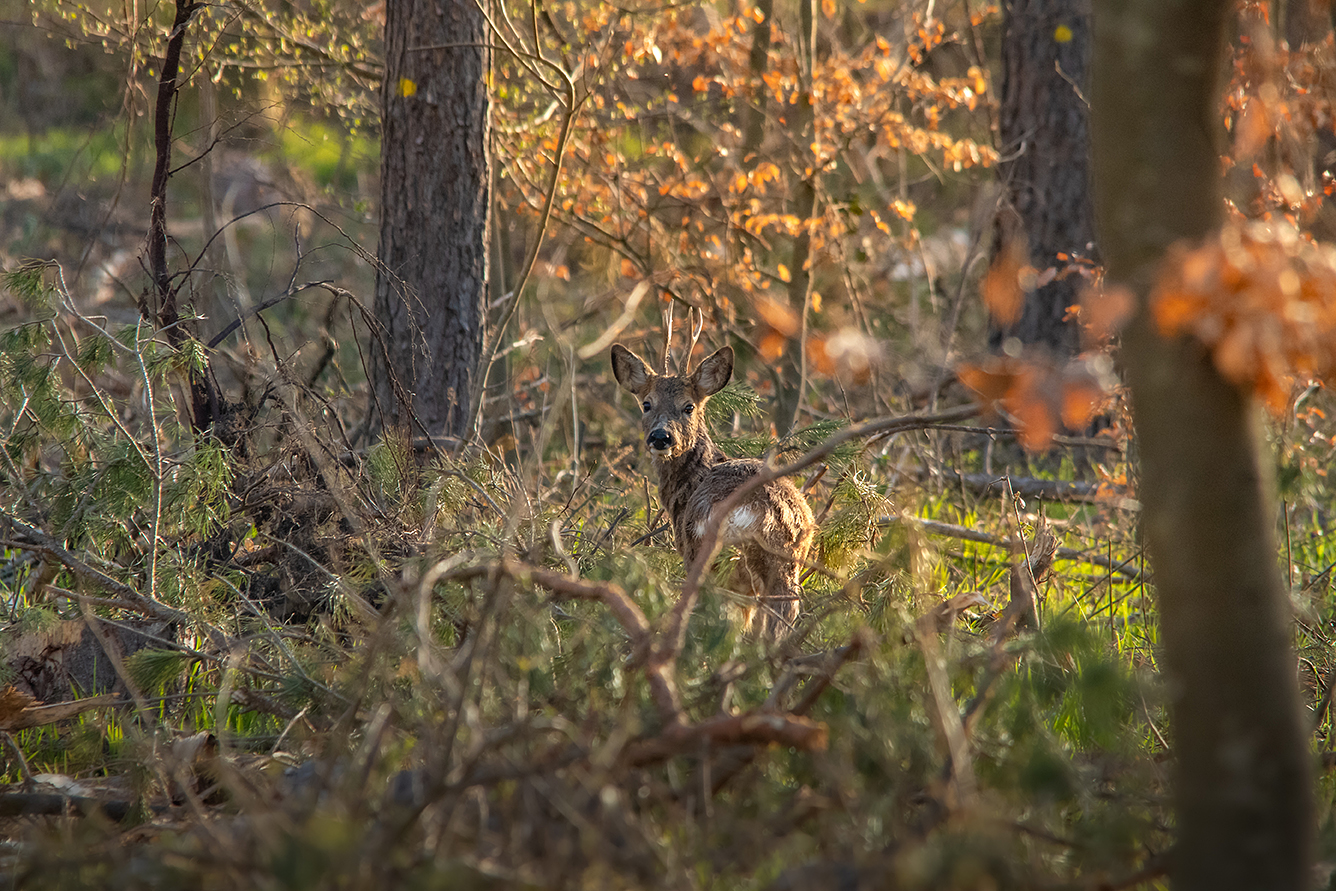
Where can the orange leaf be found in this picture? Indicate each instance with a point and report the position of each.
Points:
(1080, 402)
(1037, 424)
(772, 345)
(991, 383)
(777, 316)
(1105, 310)
(819, 357)
(1001, 288)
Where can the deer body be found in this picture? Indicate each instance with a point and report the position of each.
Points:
(772, 528)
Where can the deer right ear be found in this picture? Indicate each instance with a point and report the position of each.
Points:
(630, 370)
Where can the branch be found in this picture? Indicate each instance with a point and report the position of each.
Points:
(792, 731)
(19, 711)
(662, 683)
(563, 137)
(675, 634)
(33, 539)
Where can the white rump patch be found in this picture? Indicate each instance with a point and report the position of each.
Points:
(742, 521)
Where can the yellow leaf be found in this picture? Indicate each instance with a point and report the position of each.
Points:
(1062, 34)
(406, 87)
(784, 273)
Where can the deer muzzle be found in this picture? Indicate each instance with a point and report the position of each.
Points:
(659, 439)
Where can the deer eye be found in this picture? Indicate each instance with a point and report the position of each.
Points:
(688, 408)
(645, 406)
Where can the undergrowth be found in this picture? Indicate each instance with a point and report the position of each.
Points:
(410, 668)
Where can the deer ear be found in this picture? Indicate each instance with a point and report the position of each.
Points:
(713, 373)
(630, 370)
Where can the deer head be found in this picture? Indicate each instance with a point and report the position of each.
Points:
(673, 404)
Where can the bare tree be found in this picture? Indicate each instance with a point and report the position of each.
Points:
(435, 213)
(1044, 138)
(1242, 774)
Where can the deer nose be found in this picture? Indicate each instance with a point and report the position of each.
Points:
(659, 439)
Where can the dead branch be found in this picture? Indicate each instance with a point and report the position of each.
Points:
(29, 804)
(936, 527)
(751, 729)
(1053, 490)
(663, 684)
(20, 711)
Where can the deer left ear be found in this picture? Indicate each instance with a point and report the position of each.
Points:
(713, 374)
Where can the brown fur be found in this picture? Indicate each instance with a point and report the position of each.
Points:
(772, 528)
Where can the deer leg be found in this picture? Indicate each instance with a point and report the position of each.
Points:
(775, 587)
(754, 573)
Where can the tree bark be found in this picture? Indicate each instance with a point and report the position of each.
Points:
(1044, 135)
(1242, 774)
(435, 215)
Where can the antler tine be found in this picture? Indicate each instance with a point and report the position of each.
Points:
(697, 318)
(668, 334)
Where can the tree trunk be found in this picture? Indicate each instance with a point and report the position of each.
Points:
(1242, 773)
(790, 370)
(435, 215)
(1043, 132)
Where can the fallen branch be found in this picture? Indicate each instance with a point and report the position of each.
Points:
(951, 530)
(755, 728)
(1052, 490)
(35, 804)
(20, 711)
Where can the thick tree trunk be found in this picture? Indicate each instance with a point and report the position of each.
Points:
(1043, 133)
(1242, 776)
(435, 214)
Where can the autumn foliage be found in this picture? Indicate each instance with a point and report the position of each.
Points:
(740, 168)
(1262, 298)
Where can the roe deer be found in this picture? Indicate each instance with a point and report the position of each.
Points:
(772, 528)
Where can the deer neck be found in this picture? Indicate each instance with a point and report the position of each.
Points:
(680, 477)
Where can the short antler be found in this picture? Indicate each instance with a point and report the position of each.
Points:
(667, 334)
(697, 318)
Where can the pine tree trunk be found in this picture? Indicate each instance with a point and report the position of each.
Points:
(1044, 137)
(1242, 781)
(435, 215)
